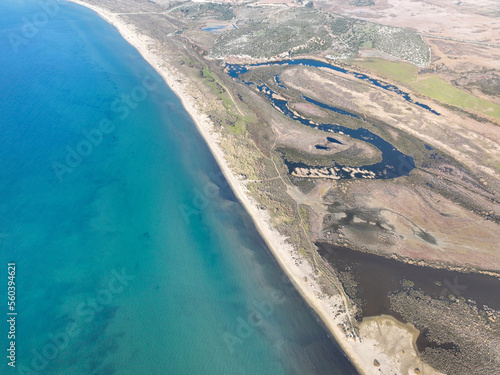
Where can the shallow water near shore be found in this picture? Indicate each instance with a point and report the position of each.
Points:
(133, 255)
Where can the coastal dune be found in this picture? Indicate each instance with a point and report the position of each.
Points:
(372, 351)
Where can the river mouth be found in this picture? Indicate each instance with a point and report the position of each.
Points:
(370, 280)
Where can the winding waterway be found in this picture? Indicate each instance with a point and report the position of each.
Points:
(394, 163)
(235, 70)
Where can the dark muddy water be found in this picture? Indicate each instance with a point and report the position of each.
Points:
(376, 277)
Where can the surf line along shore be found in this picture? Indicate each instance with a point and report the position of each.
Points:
(359, 353)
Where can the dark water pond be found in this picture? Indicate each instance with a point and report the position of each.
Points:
(333, 140)
(377, 276)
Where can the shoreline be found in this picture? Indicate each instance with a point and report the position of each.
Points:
(360, 351)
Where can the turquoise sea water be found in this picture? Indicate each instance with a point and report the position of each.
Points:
(132, 254)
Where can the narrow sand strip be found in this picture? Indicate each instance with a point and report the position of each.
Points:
(361, 351)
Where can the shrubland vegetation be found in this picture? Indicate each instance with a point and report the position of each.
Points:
(304, 31)
(207, 10)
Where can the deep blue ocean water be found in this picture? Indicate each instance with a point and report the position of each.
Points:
(132, 254)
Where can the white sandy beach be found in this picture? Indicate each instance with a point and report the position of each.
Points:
(379, 336)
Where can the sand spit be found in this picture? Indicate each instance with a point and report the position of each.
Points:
(374, 351)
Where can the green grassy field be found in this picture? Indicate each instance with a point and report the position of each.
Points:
(241, 120)
(429, 85)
